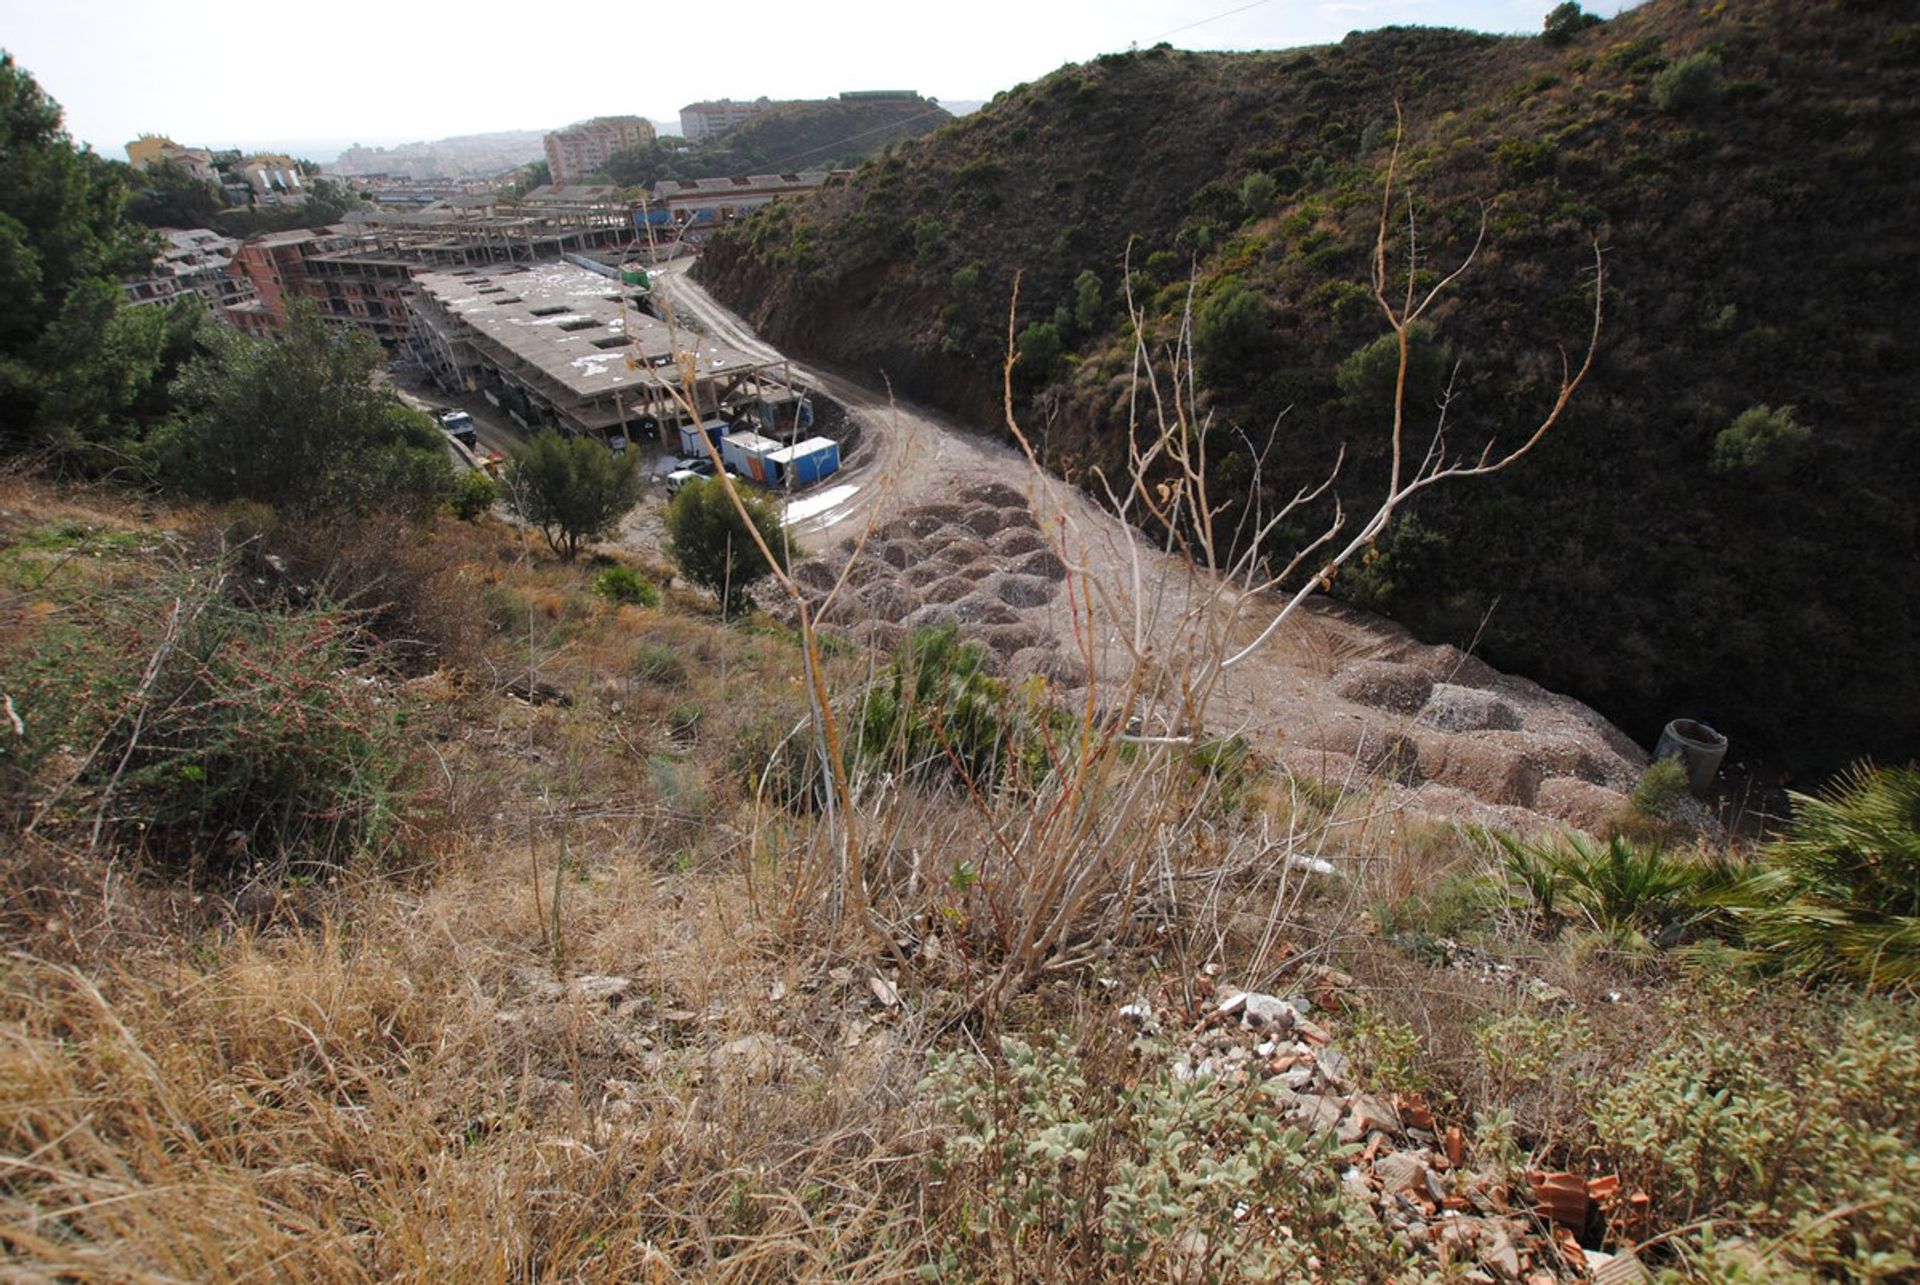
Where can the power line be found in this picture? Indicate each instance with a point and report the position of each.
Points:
(1204, 21)
(877, 129)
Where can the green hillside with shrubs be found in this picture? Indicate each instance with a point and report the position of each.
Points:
(1723, 525)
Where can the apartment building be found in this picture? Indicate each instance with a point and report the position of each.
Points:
(700, 122)
(579, 151)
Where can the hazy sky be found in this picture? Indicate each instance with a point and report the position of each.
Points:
(268, 73)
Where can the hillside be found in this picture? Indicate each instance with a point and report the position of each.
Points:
(808, 135)
(391, 894)
(1747, 170)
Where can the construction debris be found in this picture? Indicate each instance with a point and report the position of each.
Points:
(1412, 1168)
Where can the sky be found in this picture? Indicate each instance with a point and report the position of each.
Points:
(313, 78)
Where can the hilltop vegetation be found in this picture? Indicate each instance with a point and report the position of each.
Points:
(1723, 526)
(832, 134)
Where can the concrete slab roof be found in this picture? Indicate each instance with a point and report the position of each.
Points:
(568, 323)
(744, 182)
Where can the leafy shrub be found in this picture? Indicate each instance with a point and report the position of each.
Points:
(1806, 1136)
(937, 713)
(1075, 1162)
(574, 489)
(1662, 788)
(1565, 21)
(1039, 345)
(1525, 158)
(622, 584)
(297, 423)
(1692, 82)
(1230, 329)
(713, 548)
(1761, 440)
(1368, 376)
(1089, 301)
(1838, 894)
(1257, 192)
(473, 494)
(208, 736)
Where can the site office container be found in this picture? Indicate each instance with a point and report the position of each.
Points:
(746, 454)
(803, 462)
(693, 448)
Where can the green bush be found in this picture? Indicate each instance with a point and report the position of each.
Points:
(1761, 440)
(1565, 21)
(473, 494)
(713, 548)
(1039, 345)
(1802, 1138)
(296, 422)
(1623, 887)
(573, 488)
(1230, 331)
(207, 736)
(1661, 789)
(621, 584)
(1089, 301)
(1838, 895)
(936, 714)
(1070, 1161)
(1693, 81)
(1369, 375)
(1257, 191)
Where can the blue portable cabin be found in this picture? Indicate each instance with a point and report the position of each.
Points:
(803, 463)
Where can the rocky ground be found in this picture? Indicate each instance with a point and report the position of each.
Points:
(944, 525)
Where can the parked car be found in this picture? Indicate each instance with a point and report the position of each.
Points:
(689, 469)
(459, 426)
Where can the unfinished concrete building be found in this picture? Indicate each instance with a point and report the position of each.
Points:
(560, 345)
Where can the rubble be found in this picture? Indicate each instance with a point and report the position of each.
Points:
(1413, 1168)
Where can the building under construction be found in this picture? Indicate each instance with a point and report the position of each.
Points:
(466, 231)
(561, 345)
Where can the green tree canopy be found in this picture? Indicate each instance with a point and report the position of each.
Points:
(1368, 376)
(574, 489)
(1565, 21)
(297, 422)
(1761, 440)
(712, 547)
(168, 196)
(1230, 328)
(68, 364)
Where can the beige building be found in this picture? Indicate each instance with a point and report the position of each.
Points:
(149, 150)
(702, 121)
(579, 151)
(275, 180)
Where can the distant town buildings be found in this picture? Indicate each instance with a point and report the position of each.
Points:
(150, 151)
(579, 151)
(700, 122)
(271, 179)
(467, 157)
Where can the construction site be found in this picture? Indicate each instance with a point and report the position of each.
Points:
(574, 345)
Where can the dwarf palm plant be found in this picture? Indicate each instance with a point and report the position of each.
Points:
(1839, 894)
